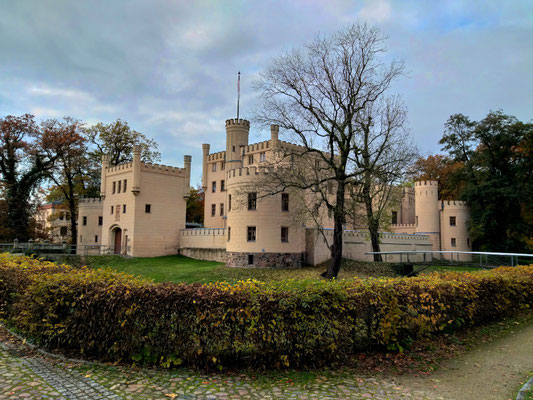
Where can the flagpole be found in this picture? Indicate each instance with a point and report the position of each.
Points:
(238, 93)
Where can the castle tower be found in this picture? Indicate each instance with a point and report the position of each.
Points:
(237, 131)
(105, 165)
(454, 228)
(427, 211)
(205, 152)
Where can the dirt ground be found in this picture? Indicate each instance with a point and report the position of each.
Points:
(491, 371)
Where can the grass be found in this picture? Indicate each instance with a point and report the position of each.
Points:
(182, 269)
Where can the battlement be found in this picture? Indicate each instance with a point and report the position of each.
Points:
(363, 235)
(162, 169)
(120, 167)
(220, 156)
(422, 184)
(245, 172)
(203, 232)
(90, 203)
(240, 121)
(453, 204)
(403, 225)
(257, 147)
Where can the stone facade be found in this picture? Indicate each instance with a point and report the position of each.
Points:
(262, 260)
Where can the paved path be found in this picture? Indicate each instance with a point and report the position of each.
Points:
(492, 371)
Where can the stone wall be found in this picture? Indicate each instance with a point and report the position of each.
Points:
(204, 254)
(261, 260)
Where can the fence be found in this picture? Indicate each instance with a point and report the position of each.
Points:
(55, 249)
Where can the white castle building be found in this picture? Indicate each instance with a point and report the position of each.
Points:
(141, 212)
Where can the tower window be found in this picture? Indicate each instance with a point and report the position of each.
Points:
(84, 220)
(213, 187)
(223, 165)
(284, 202)
(452, 221)
(221, 209)
(229, 233)
(112, 209)
(222, 185)
(233, 149)
(454, 242)
(251, 233)
(114, 187)
(100, 220)
(119, 185)
(252, 201)
(147, 208)
(96, 238)
(284, 234)
(123, 208)
(214, 167)
(125, 184)
(394, 217)
(262, 156)
(250, 159)
(229, 203)
(213, 209)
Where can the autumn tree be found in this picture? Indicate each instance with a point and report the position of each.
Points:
(68, 146)
(195, 205)
(24, 163)
(441, 168)
(320, 96)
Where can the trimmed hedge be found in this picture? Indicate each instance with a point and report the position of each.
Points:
(115, 317)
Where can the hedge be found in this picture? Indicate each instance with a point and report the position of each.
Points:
(112, 316)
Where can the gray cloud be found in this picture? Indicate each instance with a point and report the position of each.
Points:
(169, 68)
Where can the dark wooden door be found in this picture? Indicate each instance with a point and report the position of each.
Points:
(118, 240)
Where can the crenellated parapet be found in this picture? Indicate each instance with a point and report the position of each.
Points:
(90, 202)
(120, 168)
(219, 156)
(235, 121)
(456, 204)
(163, 169)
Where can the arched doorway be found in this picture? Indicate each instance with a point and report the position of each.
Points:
(117, 233)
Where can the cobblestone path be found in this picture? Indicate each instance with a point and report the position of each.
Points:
(25, 376)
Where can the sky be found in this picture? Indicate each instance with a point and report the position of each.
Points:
(169, 68)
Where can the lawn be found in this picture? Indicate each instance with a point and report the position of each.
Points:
(182, 269)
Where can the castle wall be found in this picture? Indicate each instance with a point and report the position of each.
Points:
(89, 234)
(217, 197)
(203, 244)
(357, 243)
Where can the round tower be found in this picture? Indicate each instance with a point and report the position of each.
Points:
(237, 131)
(427, 218)
(454, 228)
(262, 231)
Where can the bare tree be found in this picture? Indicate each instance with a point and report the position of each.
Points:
(319, 95)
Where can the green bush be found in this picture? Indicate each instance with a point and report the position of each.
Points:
(115, 317)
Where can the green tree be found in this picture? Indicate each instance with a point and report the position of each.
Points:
(496, 174)
(195, 205)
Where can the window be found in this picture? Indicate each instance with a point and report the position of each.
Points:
(229, 203)
(123, 208)
(96, 238)
(100, 220)
(213, 209)
(233, 149)
(63, 231)
(394, 217)
(284, 202)
(148, 208)
(229, 233)
(454, 242)
(262, 156)
(61, 216)
(223, 165)
(214, 167)
(221, 209)
(222, 185)
(112, 209)
(125, 184)
(452, 221)
(114, 187)
(250, 259)
(81, 238)
(251, 233)
(416, 220)
(119, 185)
(284, 234)
(84, 220)
(252, 201)
(250, 159)
(213, 187)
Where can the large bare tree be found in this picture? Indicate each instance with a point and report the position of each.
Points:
(322, 96)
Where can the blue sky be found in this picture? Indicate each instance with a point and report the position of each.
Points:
(169, 67)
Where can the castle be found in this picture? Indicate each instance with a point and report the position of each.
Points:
(141, 212)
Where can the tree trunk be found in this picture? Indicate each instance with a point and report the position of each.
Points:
(73, 218)
(18, 215)
(372, 222)
(338, 229)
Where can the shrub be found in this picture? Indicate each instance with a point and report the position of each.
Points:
(115, 317)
